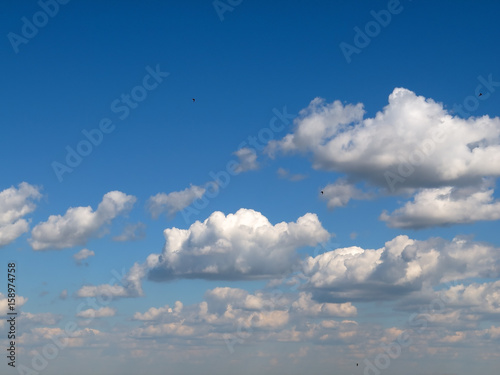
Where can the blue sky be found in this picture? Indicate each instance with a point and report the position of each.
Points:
(195, 235)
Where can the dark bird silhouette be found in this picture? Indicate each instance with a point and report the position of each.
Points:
(193, 100)
(321, 191)
(357, 364)
(480, 93)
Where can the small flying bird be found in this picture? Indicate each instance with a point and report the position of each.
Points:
(193, 100)
(480, 93)
(357, 364)
(321, 191)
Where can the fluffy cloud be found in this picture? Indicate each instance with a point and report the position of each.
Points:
(340, 193)
(285, 174)
(79, 223)
(175, 201)
(400, 267)
(247, 160)
(132, 232)
(14, 204)
(445, 206)
(413, 140)
(244, 245)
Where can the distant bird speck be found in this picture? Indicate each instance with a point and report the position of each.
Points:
(321, 191)
(480, 93)
(193, 100)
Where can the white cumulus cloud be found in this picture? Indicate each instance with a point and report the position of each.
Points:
(239, 246)
(243, 245)
(412, 137)
(445, 206)
(14, 204)
(79, 224)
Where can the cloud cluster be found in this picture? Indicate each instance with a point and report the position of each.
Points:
(79, 224)
(14, 204)
(239, 246)
(175, 201)
(413, 143)
(477, 298)
(226, 310)
(399, 268)
(229, 318)
(243, 245)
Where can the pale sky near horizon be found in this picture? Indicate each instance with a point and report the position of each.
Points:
(327, 199)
